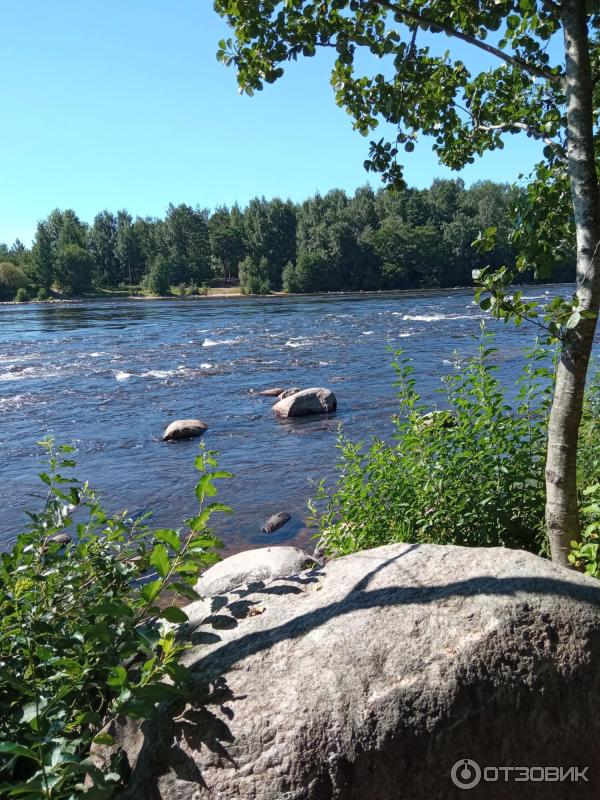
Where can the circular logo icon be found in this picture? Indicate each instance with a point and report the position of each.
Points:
(465, 773)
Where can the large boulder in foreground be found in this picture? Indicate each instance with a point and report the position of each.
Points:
(263, 565)
(370, 678)
(305, 402)
(184, 429)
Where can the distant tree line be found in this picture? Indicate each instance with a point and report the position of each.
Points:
(333, 242)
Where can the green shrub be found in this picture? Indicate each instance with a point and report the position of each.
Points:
(585, 554)
(22, 295)
(12, 278)
(42, 294)
(158, 279)
(84, 632)
(254, 276)
(473, 475)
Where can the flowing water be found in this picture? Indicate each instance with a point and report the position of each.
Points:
(108, 376)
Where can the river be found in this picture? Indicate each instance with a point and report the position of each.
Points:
(108, 376)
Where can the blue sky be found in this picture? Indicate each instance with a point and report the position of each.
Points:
(122, 104)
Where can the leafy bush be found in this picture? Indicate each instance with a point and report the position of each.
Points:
(254, 276)
(12, 278)
(42, 294)
(84, 633)
(471, 475)
(585, 554)
(158, 279)
(22, 295)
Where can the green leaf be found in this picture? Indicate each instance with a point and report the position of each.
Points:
(168, 536)
(160, 560)
(30, 711)
(174, 614)
(573, 320)
(149, 591)
(118, 677)
(157, 692)
(18, 750)
(185, 590)
(103, 738)
(205, 487)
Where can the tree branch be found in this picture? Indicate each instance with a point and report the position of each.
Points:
(523, 126)
(427, 23)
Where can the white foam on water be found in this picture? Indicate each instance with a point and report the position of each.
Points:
(404, 335)
(367, 333)
(157, 373)
(206, 365)
(123, 376)
(22, 373)
(217, 342)
(17, 359)
(298, 341)
(16, 401)
(433, 317)
(536, 296)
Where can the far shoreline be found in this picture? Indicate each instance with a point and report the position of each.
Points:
(237, 295)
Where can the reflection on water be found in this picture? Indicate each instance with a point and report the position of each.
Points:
(110, 375)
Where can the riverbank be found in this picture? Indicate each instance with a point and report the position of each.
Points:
(236, 293)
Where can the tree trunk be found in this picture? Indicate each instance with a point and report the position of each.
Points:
(562, 514)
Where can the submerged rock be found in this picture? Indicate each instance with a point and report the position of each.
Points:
(305, 402)
(262, 564)
(184, 429)
(377, 674)
(276, 521)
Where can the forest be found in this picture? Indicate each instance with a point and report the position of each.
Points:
(373, 240)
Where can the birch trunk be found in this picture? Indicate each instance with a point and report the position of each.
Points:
(562, 515)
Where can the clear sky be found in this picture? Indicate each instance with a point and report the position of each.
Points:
(122, 104)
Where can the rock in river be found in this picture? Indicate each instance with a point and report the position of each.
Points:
(288, 393)
(307, 401)
(276, 521)
(184, 429)
(377, 676)
(274, 392)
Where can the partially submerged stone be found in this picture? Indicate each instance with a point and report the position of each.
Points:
(288, 393)
(184, 429)
(276, 521)
(305, 402)
(274, 392)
